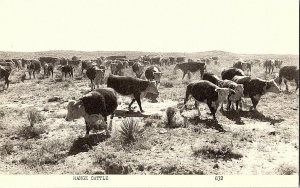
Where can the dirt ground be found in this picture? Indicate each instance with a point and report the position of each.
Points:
(263, 142)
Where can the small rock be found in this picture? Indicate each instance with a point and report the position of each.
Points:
(54, 99)
(163, 131)
(272, 133)
(216, 166)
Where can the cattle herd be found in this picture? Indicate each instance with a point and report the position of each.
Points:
(231, 87)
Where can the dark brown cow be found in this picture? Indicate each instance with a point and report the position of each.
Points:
(130, 86)
(288, 73)
(4, 73)
(33, 67)
(269, 66)
(228, 74)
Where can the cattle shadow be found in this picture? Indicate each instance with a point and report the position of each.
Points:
(209, 123)
(84, 144)
(252, 114)
(131, 113)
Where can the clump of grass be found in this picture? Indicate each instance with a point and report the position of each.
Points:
(49, 153)
(215, 150)
(6, 149)
(33, 117)
(130, 130)
(113, 162)
(29, 132)
(168, 84)
(286, 169)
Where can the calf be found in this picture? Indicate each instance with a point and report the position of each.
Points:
(87, 64)
(289, 73)
(190, 67)
(238, 88)
(4, 73)
(255, 88)
(135, 87)
(153, 73)
(207, 92)
(67, 69)
(93, 106)
(228, 74)
(96, 75)
(138, 69)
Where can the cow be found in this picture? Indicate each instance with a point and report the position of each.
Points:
(130, 86)
(67, 69)
(180, 59)
(87, 64)
(4, 73)
(49, 60)
(190, 67)
(228, 74)
(96, 75)
(155, 61)
(254, 88)
(153, 73)
(207, 92)
(269, 65)
(277, 63)
(48, 69)
(18, 63)
(138, 69)
(117, 68)
(245, 66)
(171, 60)
(94, 106)
(33, 67)
(288, 73)
(238, 88)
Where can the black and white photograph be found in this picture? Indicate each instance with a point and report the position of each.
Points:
(97, 88)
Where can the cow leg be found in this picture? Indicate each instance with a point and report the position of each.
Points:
(184, 73)
(297, 84)
(286, 85)
(92, 85)
(106, 127)
(212, 109)
(138, 100)
(6, 82)
(129, 107)
(88, 128)
(255, 101)
(197, 106)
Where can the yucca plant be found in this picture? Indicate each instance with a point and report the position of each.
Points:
(33, 117)
(130, 130)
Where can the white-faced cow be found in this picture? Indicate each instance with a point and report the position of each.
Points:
(190, 67)
(288, 73)
(96, 75)
(129, 86)
(207, 92)
(94, 107)
(153, 73)
(255, 88)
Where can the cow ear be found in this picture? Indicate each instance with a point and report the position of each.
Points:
(217, 89)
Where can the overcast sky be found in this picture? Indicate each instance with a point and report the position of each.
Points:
(241, 26)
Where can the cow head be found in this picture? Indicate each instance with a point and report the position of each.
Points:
(157, 76)
(75, 110)
(113, 67)
(152, 88)
(271, 86)
(223, 93)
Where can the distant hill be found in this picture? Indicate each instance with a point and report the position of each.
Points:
(223, 55)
